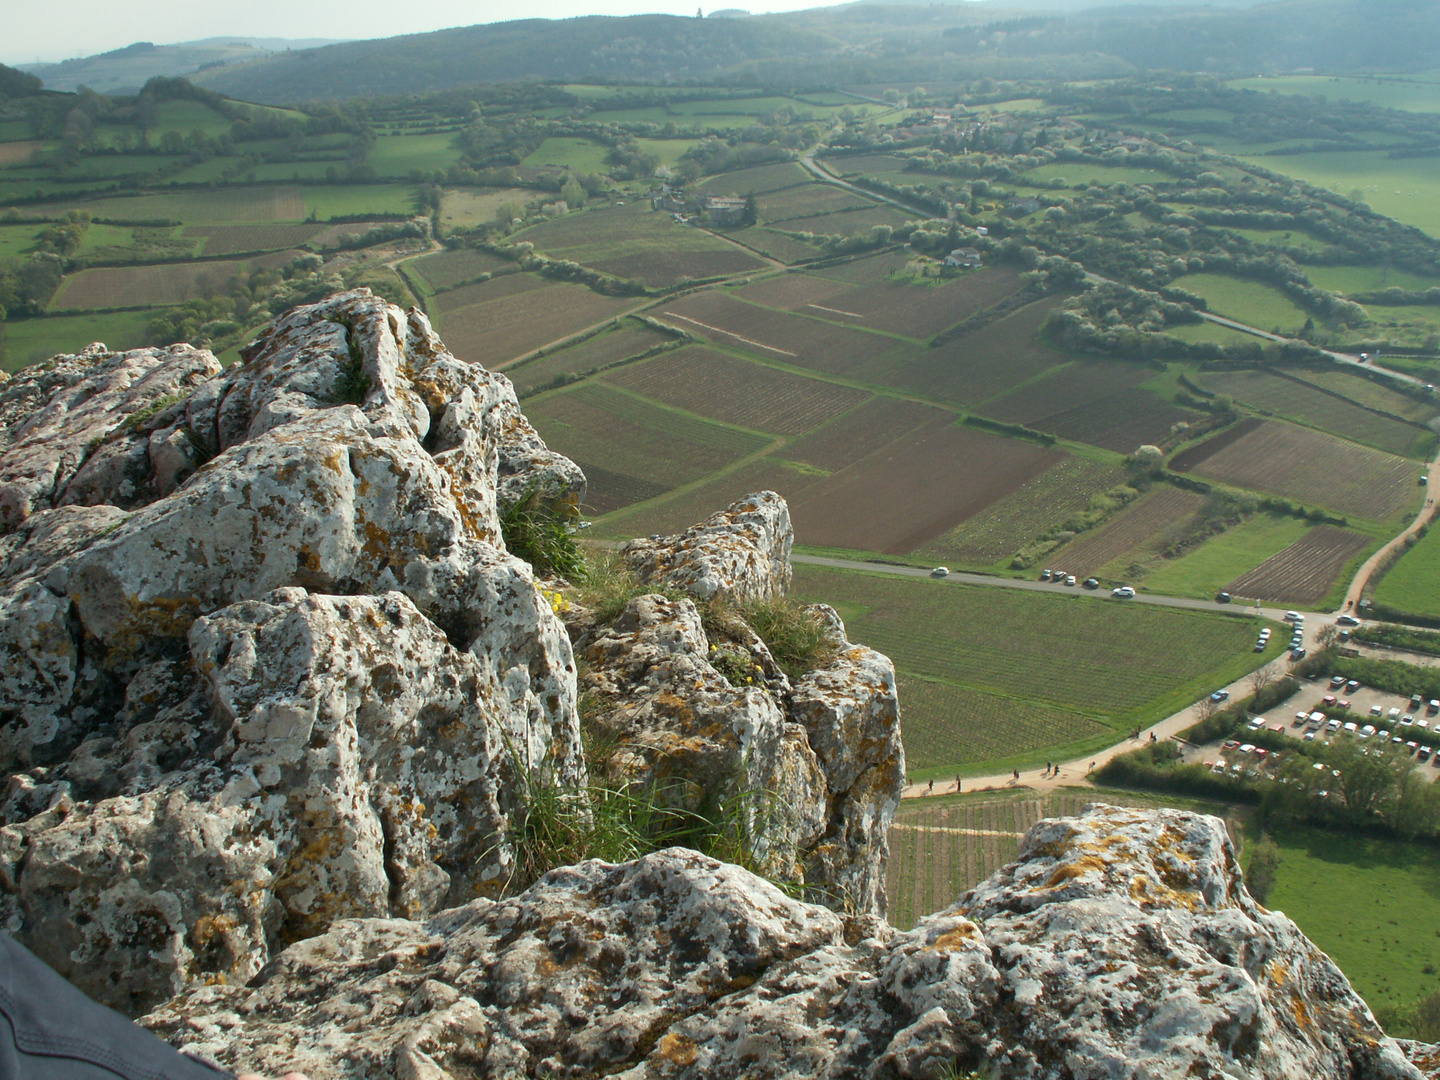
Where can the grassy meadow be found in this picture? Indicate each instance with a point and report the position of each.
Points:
(1059, 675)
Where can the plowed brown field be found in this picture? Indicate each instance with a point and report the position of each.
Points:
(1316, 469)
(1147, 519)
(1304, 572)
(733, 391)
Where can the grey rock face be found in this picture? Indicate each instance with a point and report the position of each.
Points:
(277, 668)
(1122, 944)
(815, 766)
(743, 551)
(97, 428)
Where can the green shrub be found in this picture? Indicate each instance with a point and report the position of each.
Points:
(795, 635)
(538, 531)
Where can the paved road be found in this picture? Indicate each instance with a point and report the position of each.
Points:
(960, 578)
(821, 173)
(1338, 357)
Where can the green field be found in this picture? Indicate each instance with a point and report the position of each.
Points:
(16, 239)
(1031, 655)
(669, 151)
(582, 155)
(1209, 331)
(1412, 585)
(1407, 189)
(464, 208)
(1253, 303)
(1355, 279)
(1282, 238)
(399, 155)
(1413, 93)
(24, 341)
(1202, 573)
(1366, 902)
(351, 200)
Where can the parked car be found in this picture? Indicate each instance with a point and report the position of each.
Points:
(1044, 575)
(1069, 579)
(1432, 707)
(1416, 701)
(1347, 620)
(1297, 654)
(1377, 710)
(1092, 583)
(1222, 598)
(1328, 699)
(1352, 685)
(1292, 616)
(1337, 681)
(1220, 695)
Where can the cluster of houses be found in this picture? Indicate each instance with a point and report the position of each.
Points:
(721, 209)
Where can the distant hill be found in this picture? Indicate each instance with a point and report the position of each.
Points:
(865, 43)
(642, 48)
(15, 83)
(127, 70)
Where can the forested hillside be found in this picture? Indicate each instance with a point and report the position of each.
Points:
(861, 44)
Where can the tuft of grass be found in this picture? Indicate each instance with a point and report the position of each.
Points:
(140, 417)
(538, 531)
(607, 585)
(558, 825)
(796, 636)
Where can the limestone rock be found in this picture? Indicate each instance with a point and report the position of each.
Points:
(850, 713)
(811, 771)
(743, 551)
(1121, 944)
(713, 740)
(78, 429)
(283, 670)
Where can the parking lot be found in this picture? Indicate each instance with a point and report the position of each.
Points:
(1317, 713)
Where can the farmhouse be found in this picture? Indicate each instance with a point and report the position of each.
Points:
(965, 258)
(1022, 207)
(725, 210)
(667, 198)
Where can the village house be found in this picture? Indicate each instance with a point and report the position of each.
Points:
(965, 258)
(725, 210)
(668, 198)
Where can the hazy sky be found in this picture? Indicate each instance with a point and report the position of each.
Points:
(69, 28)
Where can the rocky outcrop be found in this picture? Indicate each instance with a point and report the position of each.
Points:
(267, 661)
(1121, 944)
(808, 771)
(742, 552)
(269, 665)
